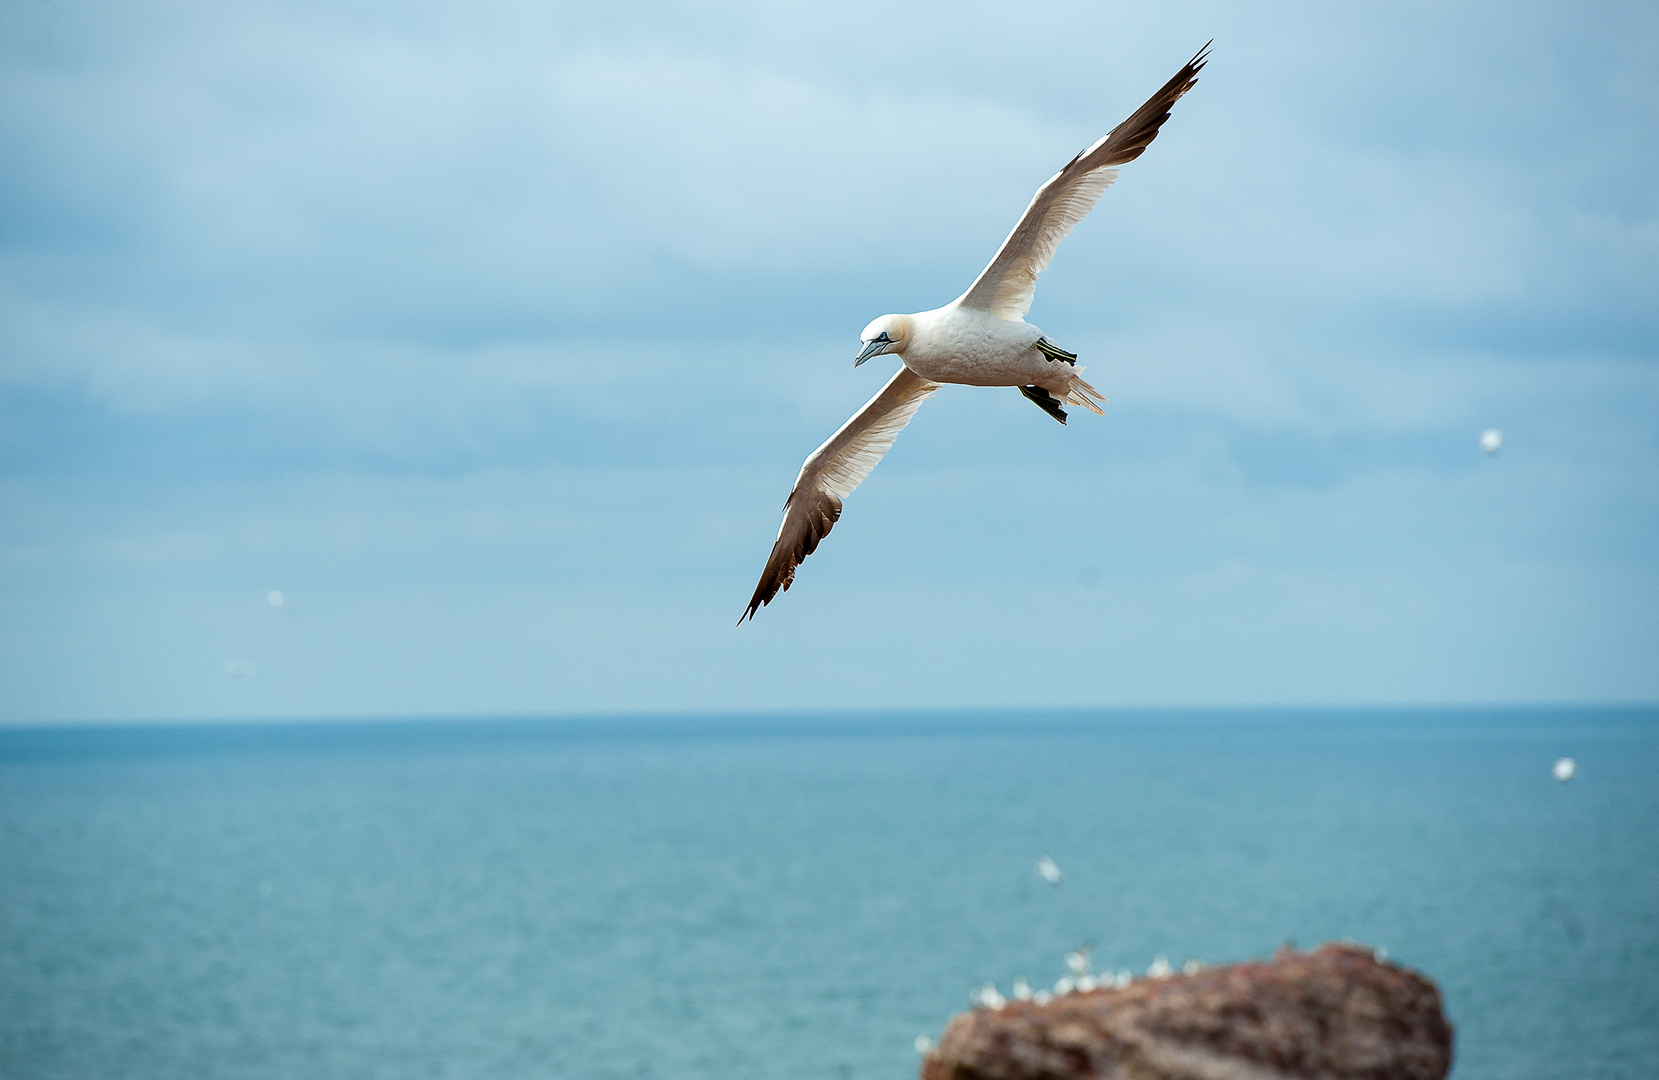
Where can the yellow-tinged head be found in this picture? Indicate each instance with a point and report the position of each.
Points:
(887, 334)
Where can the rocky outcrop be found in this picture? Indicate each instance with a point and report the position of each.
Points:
(1337, 1013)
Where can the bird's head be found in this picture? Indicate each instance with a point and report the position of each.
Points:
(887, 334)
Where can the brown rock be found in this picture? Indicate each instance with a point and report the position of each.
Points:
(1337, 1013)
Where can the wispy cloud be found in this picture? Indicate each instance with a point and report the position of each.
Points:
(551, 302)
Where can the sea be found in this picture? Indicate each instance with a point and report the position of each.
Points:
(801, 896)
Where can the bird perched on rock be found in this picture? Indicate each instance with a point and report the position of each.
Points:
(981, 339)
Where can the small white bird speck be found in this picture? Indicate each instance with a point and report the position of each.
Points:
(1041, 997)
(275, 598)
(1491, 441)
(1564, 769)
(1078, 959)
(923, 1044)
(988, 996)
(1192, 967)
(1064, 985)
(1022, 990)
(1159, 968)
(1048, 870)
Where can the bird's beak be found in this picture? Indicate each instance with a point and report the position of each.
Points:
(874, 348)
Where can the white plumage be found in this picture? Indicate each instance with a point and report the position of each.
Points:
(980, 339)
(1006, 287)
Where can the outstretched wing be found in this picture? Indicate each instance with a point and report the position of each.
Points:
(831, 474)
(1006, 285)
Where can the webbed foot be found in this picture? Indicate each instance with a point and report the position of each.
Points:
(1054, 352)
(1045, 401)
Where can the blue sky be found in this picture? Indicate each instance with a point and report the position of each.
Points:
(492, 335)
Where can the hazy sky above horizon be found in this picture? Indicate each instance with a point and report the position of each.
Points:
(492, 336)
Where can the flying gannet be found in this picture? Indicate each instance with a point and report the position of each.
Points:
(981, 339)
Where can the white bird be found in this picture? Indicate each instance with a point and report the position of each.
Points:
(1048, 870)
(980, 339)
(1491, 441)
(1564, 769)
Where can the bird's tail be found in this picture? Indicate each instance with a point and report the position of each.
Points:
(1081, 394)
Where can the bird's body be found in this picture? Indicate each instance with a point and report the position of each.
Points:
(957, 344)
(979, 339)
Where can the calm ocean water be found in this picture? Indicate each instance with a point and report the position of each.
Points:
(797, 897)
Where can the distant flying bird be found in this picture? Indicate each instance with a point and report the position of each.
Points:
(1048, 870)
(1491, 441)
(980, 339)
(1564, 769)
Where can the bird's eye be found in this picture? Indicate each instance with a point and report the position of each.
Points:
(883, 336)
